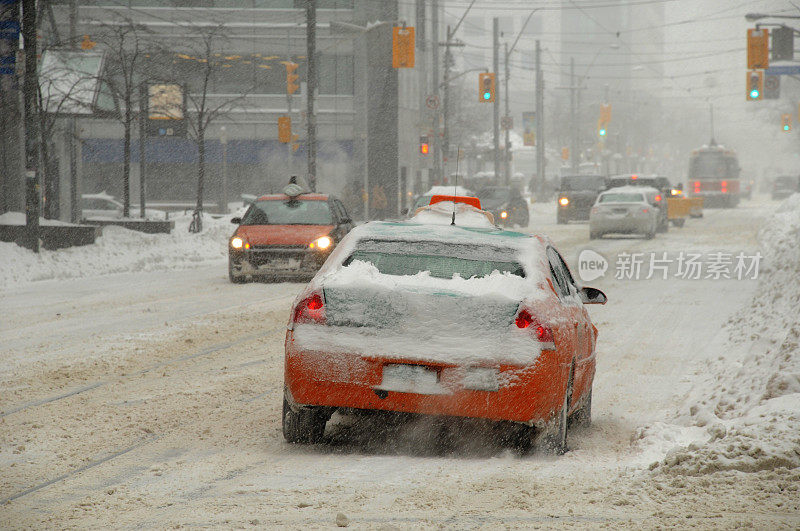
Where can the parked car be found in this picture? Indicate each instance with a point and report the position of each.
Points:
(283, 236)
(426, 317)
(785, 185)
(624, 210)
(506, 204)
(105, 206)
(576, 195)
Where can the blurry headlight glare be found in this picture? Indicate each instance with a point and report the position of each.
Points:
(321, 243)
(503, 214)
(563, 201)
(237, 242)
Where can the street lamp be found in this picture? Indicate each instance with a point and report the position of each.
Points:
(356, 30)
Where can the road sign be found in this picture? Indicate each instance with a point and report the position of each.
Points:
(403, 47)
(432, 101)
(788, 70)
(506, 122)
(772, 87)
(757, 48)
(528, 128)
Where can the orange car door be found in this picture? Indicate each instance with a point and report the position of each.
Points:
(569, 332)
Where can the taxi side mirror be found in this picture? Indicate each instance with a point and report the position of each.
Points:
(236, 221)
(592, 296)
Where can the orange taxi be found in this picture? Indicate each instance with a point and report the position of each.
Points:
(442, 314)
(286, 236)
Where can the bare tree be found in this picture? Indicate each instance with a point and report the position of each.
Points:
(206, 60)
(126, 45)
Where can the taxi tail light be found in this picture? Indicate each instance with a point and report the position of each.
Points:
(311, 309)
(724, 187)
(542, 333)
(697, 187)
(658, 199)
(645, 210)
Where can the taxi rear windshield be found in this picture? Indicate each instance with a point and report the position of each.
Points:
(439, 259)
(285, 212)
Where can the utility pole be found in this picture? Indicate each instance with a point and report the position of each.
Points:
(437, 144)
(448, 59)
(223, 140)
(573, 155)
(311, 85)
(72, 126)
(143, 110)
(496, 104)
(31, 119)
(11, 169)
(507, 151)
(539, 116)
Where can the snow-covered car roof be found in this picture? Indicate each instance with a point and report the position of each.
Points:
(449, 190)
(472, 228)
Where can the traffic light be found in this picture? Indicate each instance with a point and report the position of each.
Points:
(783, 44)
(786, 119)
(424, 145)
(403, 47)
(284, 129)
(757, 48)
(486, 87)
(755, 85)
(602, 121)
(291, 77)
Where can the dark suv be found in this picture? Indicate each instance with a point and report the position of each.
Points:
(576, 195)
(784, 186)
(506, 205)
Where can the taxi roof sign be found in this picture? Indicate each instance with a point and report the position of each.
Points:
(472, 201)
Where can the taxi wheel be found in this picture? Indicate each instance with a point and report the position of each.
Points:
(304, 425)
(583, 416)
(555, 440)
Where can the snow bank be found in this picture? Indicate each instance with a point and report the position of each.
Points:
(749, 402)
(119, 250)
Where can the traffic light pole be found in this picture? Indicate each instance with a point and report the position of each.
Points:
(30, 83)
(496, 104)
(539, 116)
(507, 141)
(311, 85)
(573, 155)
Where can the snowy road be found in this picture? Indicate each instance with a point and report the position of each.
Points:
(153, 400)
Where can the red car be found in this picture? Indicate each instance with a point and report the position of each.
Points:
(286, 237)
(430, 317)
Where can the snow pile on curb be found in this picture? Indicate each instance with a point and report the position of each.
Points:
(749, 401)
(119, 250)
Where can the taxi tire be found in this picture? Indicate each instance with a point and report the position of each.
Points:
(302, 425)
(583, 415)
(651, 234)
(555, 440)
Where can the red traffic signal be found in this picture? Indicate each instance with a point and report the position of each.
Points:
(424, 145)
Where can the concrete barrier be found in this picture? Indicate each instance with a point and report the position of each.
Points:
(148, 226)
(52, 236)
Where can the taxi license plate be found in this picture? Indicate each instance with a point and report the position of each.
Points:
(406, 378)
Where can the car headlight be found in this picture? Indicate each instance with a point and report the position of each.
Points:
(323, 242)
(503, 214)
(237, 243)
(563, 201)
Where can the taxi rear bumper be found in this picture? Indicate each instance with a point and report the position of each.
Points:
(530, 394)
